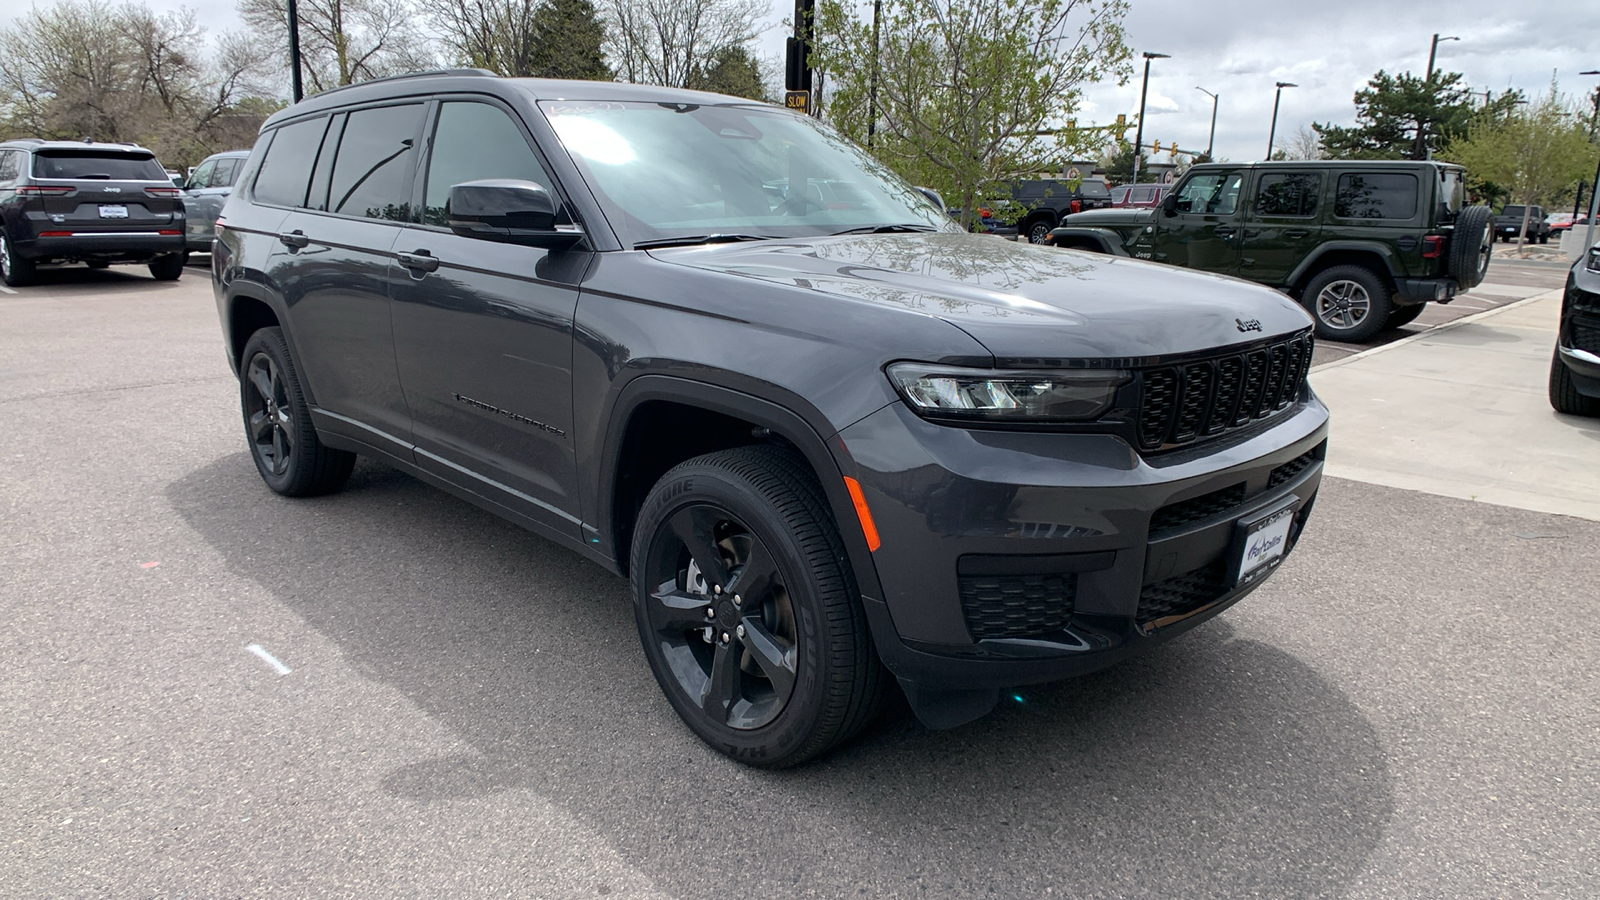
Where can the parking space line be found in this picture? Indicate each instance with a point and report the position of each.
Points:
(269, 659)
(6, 289)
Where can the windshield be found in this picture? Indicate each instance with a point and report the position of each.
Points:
(680, 170)
(1511, 211)
(105, 164)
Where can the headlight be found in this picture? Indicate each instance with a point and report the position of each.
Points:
(1003, 395)
(1593, 263)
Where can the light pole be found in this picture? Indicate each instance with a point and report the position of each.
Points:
(1594, 117)
(1594, 189)
(1138, 132)
(1210, 141)
(872, 87)
(1420, 150)
(1273, 133)
(294, 52)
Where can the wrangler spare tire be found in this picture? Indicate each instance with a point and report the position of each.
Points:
(1470, 247)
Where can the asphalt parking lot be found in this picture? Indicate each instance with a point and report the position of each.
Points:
(209, 690)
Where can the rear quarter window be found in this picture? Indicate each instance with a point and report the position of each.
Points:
(105, 165)
(1376, 195)
(285, 171)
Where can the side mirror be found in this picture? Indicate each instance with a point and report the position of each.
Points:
(934, 198)
(509, 211)
(1169, 204)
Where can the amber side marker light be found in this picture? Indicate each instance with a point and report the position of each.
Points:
(862, 513)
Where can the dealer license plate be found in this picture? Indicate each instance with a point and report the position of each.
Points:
(109, 211)
(1264, 544)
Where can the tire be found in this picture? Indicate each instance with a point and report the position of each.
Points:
(15, 270)
(1471, 245)
(1038, 229)
(1544, 238)
(764, 652)
(277, 424)
(1564, 396)
(169, 266)
(1401, 316)
(1350, 303)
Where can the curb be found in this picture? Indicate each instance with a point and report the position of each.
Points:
(1457, 323)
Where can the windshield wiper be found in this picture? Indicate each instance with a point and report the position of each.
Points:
(884, 229)
(690, 240)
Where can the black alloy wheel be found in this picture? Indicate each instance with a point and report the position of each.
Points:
(1038, 231)
(746, 609)
(15, 270)
(722, 615)
(291, 458)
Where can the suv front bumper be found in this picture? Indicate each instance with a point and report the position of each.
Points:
(1100, 552)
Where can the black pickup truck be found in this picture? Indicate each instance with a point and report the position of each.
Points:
(1509, 222)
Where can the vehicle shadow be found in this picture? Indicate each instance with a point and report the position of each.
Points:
(1214, 766)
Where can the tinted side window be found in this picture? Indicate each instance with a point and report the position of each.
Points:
(473, 141)
(1376, 196)
(227, 169)
(1289, 194)
(372, 173)
(286, 169)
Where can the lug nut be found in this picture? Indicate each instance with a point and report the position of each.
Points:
(724, 637)
(739, 631)
(738, 600)
(717, 588)
(711, 612)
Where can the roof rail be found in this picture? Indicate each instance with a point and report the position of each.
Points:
(24, 141)
(431, 73)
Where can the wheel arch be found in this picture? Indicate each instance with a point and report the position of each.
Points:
(646, 436)
(1372, 255)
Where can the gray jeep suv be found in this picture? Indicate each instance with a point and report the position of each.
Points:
(831, 442)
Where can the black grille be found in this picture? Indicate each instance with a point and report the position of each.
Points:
(1585, 335)
(1204, 506)
(1011, 606)
(1183, 593)
(1181, 404)
(1290, 469)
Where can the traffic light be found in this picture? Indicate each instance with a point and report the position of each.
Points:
(1155, 146)
(1122, 126)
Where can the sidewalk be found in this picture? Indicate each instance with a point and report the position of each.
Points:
(1461, 411)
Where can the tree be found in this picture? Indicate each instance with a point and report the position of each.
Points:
(85, 68)
(1393, 110)
(673, 42)
(345, 41)
(1535, 153)
(1118, 163)
(1303, 144)
(971, 94)
(524, 38)
(732, 71)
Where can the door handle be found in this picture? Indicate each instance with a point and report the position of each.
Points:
(421, 260)
(1224, 230)
(296, 239)
(1296, 233)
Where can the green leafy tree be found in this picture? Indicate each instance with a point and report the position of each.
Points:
(970, 94)
(569, 41)
(732, 71)
(1534, 153)
(1393, 110)
(1118, 163)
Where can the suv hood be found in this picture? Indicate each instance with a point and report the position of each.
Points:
(1027, 305)
(1126, 217)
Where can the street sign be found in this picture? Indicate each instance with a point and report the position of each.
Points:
(800, 101)
(1073, 174)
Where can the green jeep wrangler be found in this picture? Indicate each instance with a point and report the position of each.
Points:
(1362, 245)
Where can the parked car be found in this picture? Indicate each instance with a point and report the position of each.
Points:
(1139, 195)
(835, 449)
(1045, 201)
(1575, 367)
(204, 193)
(1509, 222)
(79, 201)
(1559, 222)
(1363, 245)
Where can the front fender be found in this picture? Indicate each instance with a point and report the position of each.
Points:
(1103, 239)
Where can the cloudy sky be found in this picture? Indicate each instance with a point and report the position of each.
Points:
(1239, 48)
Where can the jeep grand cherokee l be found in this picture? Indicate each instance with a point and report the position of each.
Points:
(77, 201)
(829, 441)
